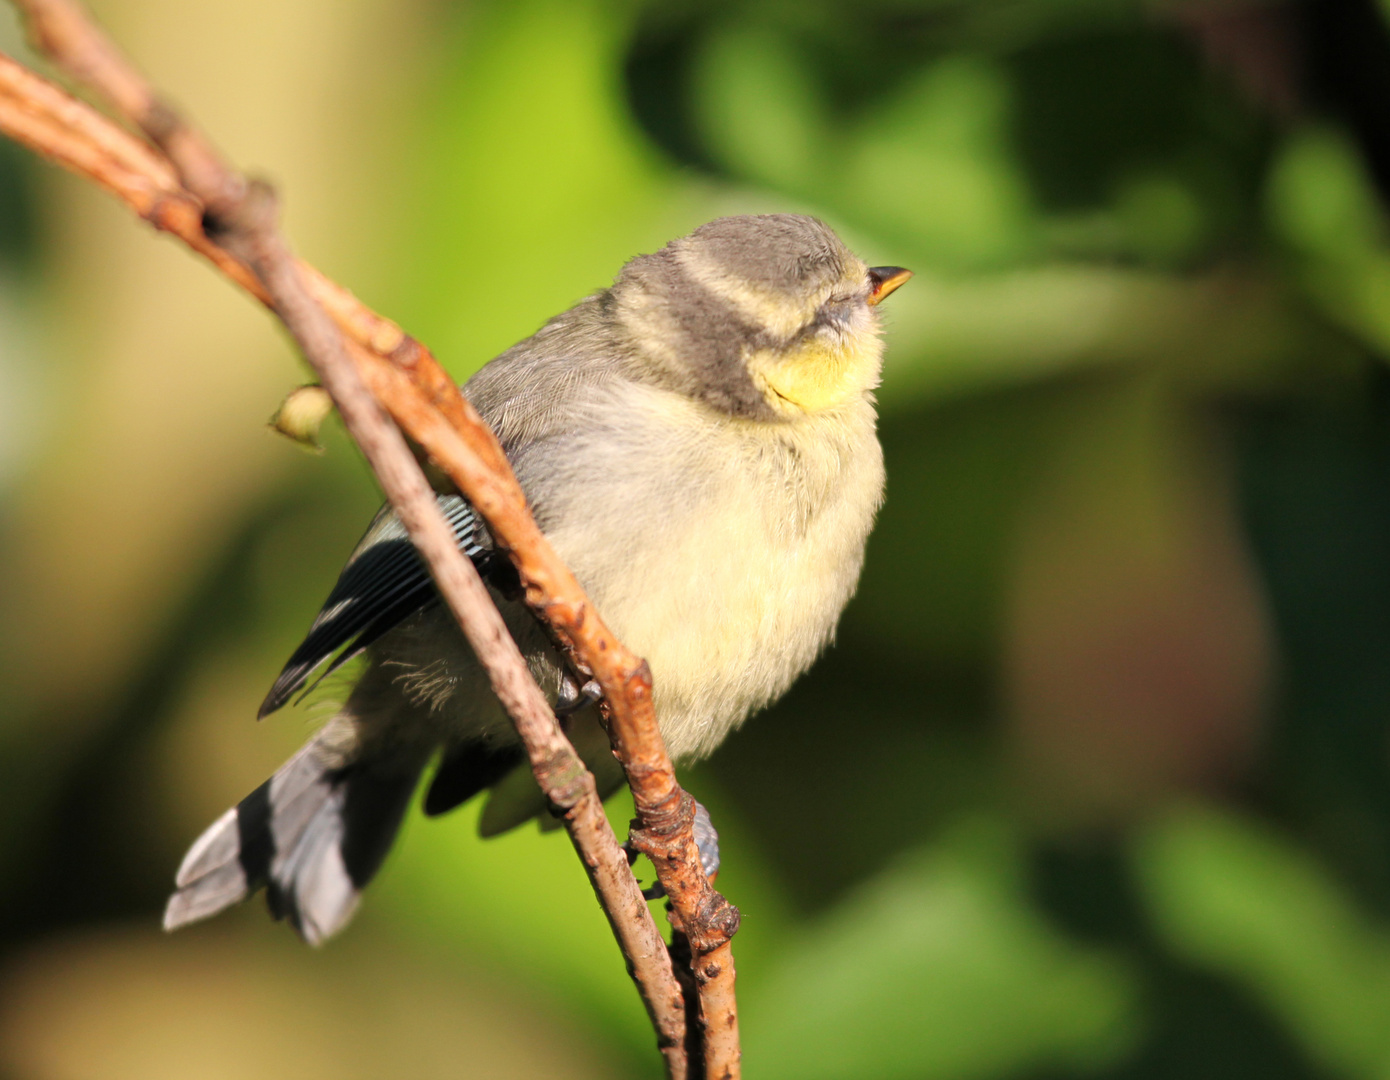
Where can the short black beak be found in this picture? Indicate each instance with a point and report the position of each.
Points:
(884, 280)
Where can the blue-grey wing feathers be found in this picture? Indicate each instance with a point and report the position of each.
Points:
(383, 583)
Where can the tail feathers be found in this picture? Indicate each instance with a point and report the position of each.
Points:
(212, 864)
(312, 835)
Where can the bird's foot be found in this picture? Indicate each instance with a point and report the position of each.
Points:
(573, 697)
(706, 839)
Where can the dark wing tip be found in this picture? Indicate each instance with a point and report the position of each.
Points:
(289, 680)
(296, 672)
(383, 584)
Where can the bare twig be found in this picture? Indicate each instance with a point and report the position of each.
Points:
(429, 407)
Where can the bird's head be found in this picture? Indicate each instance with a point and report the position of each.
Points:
(766, 317)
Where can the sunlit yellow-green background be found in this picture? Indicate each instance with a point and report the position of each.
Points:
(1095, 783)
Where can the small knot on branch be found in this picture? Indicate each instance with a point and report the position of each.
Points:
(202, 171)
(407, 354)
(717, 922)
(664, 822)
(566, 782)
(174, 212)
(639, 682)
(239, 225)
(665, 834)
(161, 122)
(241, 212)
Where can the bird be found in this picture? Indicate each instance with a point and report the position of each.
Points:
(698, 443)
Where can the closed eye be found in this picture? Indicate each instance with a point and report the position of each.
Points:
(838, 309)
(834, 314)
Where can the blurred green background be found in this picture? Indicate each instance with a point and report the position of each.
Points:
(1096, 781)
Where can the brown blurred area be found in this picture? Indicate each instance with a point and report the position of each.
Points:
(1139, 651)
(228, 1003)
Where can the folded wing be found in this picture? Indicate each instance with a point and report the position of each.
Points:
(383, 583)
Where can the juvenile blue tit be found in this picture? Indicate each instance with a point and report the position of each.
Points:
(698, 443)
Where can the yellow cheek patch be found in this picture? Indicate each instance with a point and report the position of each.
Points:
(817, 376)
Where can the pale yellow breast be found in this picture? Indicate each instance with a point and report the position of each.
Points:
(721, 550)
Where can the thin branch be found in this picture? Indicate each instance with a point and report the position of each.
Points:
(472, 459)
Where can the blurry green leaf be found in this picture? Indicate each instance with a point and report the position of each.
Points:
(535, 188)
(520, 900)
(1322, 204)
(932, 166)
(1161, 218)
(949, 336)
(759, 111)
(1320, 199)
(939, 968)
(1233, 896)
